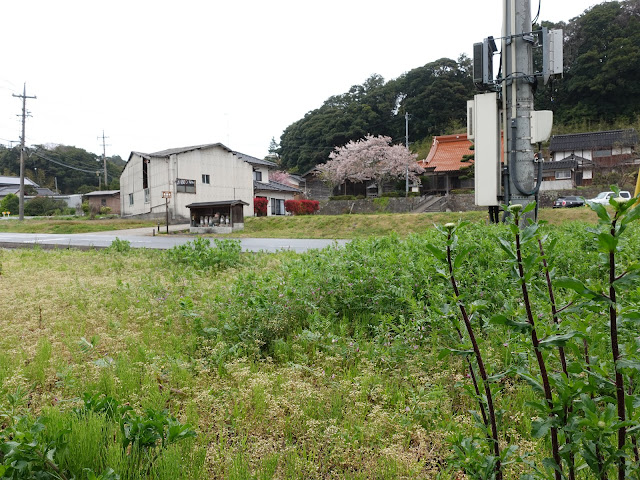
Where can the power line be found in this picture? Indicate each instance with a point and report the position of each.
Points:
(36, 153)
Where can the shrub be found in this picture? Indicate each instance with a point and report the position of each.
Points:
(120, 246)
(40, 206)
(10, 203)
(260, 206)
(302, 207)
(201, 255)
(105, 210)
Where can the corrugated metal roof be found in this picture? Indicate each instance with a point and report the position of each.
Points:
(593, 140)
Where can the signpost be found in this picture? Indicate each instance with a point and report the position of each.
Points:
(167, 196)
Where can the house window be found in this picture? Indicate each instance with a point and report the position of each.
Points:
(185, 186)
(277, 206)
(257, 176)
(147, 195)
(131, 199)
(205, 178)
(103, 202)
(563, 174)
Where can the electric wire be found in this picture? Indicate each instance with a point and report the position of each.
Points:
(44, 157)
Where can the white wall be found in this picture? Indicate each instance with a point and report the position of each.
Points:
(230, 179)
(588, 154)
(557, 185)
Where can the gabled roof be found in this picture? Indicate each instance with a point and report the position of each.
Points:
(7, 180)
(312, 170)
(447, 152)
(581, 160)
(15, 189)
(254, 160)
(274, 187)
(561, 165)
(593, 140)
(176, 151)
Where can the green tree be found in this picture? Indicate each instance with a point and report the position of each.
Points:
(602, 65)
(434, 95)
(10, 203)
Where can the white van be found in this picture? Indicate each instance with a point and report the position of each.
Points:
(603, 197)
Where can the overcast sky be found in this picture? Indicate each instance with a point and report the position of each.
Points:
(162, 74)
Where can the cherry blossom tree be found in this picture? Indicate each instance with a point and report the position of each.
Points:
(370, 158)
(279, 176)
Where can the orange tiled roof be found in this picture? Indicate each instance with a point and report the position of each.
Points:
(447, 152)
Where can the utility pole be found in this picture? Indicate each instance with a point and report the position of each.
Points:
(104, 159)
(22, 148)
(517, 101)
(406, 141)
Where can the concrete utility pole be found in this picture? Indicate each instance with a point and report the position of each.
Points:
(517, 101)
(22, 148)
(406, 140)
(104, 159)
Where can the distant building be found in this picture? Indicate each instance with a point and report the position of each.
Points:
(576, 157)
(104, 198)
(12, 185)
(448, 165)
(194, 175)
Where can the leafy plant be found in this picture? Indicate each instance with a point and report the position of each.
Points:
(120, 246)
(201, 255)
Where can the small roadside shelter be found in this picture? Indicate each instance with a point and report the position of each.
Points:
(225, 216)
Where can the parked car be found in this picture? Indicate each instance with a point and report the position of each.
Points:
(603, 197)
(568, 202)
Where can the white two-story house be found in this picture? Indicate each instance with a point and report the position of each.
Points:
(201, 173)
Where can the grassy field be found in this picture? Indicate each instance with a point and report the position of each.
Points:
(70, 225)
(319, 365)
(312, 226)
(362, 226)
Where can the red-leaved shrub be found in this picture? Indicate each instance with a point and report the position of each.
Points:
(302, 207)
(260, 206)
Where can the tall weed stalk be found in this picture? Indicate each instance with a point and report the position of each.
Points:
(451, 242)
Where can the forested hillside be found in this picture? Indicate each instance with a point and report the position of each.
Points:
(600, 87)
(74, 168)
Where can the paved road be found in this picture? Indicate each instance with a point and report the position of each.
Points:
(143, 238)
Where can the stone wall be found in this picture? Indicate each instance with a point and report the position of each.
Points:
(370, 205)
(454, 202)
